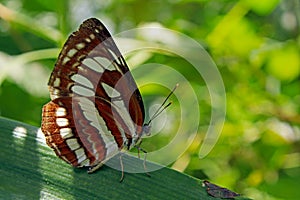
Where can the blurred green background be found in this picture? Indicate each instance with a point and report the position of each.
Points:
(255, 44)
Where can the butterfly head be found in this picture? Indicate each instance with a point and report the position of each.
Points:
(146, 129)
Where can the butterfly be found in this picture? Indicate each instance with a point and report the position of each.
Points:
(96, 109)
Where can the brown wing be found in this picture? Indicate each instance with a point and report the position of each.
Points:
(96, 108)
(90, 61)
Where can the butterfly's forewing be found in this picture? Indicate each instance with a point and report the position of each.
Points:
(96, 107)
(91, 52)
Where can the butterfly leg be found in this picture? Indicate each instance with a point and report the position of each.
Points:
(145, 157)
(122, 167)
(94, 167)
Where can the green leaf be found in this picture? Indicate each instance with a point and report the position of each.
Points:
(262, 7)
(30, 170)
(29, 24)
(284, 63)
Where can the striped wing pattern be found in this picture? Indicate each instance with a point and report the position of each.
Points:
(95, 109)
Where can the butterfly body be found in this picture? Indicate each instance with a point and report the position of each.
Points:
(96, 109)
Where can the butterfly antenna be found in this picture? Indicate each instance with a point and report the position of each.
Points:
(162, 106)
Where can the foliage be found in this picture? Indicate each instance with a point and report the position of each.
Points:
(32, 171)
(255, 44)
